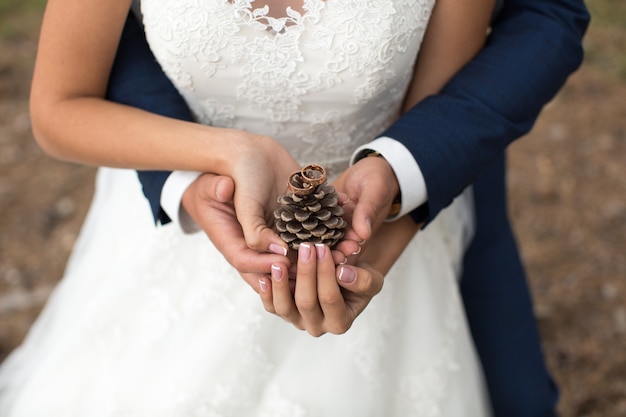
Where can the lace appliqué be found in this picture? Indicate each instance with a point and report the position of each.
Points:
(277, 69)
(419, 389)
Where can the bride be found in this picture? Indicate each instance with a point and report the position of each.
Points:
(155, 321)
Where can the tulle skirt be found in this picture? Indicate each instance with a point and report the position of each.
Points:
(149, 321)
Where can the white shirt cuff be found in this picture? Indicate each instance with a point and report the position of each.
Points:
(172, 197)
(410, 178)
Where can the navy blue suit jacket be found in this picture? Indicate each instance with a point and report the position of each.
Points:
(458, 137)
(535, 45)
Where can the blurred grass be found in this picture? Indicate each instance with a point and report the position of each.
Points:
(604, 44)
(584, 358)
(607, 12)
(20, 21)
(20, 18)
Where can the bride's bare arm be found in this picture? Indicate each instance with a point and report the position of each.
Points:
(456, 32)
(72, 121)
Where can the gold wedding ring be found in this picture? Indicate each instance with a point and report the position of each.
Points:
(313, 174)
(306, 181)
(298, 186)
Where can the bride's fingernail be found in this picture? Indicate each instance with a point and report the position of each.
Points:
(357, 251)
(277, 249)
(319, 249)
(277, 273)
(347, 275)
(263, 284)
(304, 251)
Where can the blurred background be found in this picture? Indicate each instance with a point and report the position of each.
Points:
(567, 182)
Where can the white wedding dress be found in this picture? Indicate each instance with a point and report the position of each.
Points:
(149, 321)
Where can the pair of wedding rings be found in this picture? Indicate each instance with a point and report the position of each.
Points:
(306, 181)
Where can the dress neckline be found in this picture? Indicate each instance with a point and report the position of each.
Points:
(260, 16)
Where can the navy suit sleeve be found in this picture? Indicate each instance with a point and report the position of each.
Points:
(138, 81)
(533, 47)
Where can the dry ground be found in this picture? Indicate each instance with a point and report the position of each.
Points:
(567, 200)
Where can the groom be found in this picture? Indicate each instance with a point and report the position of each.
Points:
(456, 138)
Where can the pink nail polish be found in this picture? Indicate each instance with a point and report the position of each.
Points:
(277, 249)
(277, 273)
(347, 275)
(320, 250)
(304, 251)
(262, 284)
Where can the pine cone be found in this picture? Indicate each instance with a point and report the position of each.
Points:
(310, 212)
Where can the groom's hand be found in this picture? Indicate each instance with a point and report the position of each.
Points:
(371, 186)
(325, 297)
(209, 202)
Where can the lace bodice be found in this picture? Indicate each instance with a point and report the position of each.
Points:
(152, 321)
(321, 81)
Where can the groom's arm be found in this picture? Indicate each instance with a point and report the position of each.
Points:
(532, 49)
(534, 46)
(137, 80)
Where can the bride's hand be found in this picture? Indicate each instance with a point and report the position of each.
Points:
(260, 168)
(237, 213)
(325, 297)
(209, 202)
(313, 300)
